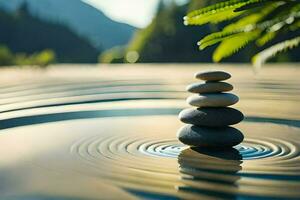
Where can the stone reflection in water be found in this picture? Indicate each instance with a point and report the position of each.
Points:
(212, 172)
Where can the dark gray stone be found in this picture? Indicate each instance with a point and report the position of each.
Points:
(210, 87)
(213, 75)
(213, 100)
(209, 137)
(212, 117)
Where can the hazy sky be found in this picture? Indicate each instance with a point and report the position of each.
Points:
(136, 12)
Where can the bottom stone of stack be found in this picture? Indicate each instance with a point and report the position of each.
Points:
(199, 136)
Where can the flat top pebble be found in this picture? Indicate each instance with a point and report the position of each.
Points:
(213, 75)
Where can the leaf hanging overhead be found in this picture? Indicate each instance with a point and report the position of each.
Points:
(255, 21)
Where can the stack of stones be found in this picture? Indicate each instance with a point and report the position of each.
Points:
(209, 123)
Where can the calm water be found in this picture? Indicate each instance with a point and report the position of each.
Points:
(110, 134)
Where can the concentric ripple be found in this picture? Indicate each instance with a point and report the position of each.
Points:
(164, 148)
(250, 149)
(155, 158)
(267, 148)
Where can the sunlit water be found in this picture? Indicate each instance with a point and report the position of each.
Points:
(115, 139)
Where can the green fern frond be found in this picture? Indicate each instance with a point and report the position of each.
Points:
(265, 38)
(289, 23)
(272, 51)
(225, 5)
(225, 15)
(251, 19)
(278, 22)
(251, 5)
(212, 17)
(215, 38)
(233, 44)
(246, 24)
(258, 20)
(223, 11)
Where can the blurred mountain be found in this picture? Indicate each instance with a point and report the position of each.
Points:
(82, 18)
(24, 34)
(166, 39)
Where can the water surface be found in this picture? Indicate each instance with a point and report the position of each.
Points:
(98, 136)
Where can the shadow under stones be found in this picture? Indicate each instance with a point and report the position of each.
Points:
(211, 172)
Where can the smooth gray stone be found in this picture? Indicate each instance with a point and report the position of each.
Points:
(210, 87)
(209, 137)
(212, 117)
(212, 100)
(213, 75)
